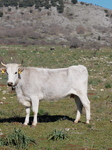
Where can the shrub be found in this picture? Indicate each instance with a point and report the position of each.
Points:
(82, 3)
(106, 11)
(53, 3)
(1, 4)
(108, 85)
(1, 141)
(46, 4)
(74, 1)
(31, 11)
(9, 9)
(107, 15)
(57, 135)
(99, 38)
(17, 139)
(1, 13)
(60, 9)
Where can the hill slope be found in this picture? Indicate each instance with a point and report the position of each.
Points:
(80, 24)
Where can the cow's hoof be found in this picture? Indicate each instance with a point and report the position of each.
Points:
(33, 126)
(87, 122)
(24, 125)
(75, 121)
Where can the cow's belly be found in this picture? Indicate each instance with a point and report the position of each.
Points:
(54, 95)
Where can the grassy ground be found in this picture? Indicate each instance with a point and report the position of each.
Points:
(59, 115)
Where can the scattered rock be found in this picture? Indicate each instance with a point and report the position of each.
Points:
(1, 132)
(4, 92)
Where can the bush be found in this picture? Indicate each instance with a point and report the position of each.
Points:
(1, 13)
(17, 139)
(1, 4)
(82, 3)
(108, 85)
(9, 9)
(60, 8)
(99, 38)
(74, 1)
(57, 135)
(106, 11)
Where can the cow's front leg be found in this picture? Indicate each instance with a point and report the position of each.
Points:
(27, 116)
(35, 105)
(25, 102)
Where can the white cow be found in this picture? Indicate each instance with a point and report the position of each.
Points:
(33, 84)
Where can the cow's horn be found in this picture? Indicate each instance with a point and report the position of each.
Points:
(3, 64)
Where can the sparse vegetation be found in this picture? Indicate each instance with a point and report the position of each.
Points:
(38, 3)
(37, 22)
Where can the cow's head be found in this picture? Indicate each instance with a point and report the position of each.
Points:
(13, 71)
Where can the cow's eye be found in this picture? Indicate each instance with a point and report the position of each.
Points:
(15, 72)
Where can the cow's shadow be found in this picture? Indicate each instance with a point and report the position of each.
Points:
(41, 119)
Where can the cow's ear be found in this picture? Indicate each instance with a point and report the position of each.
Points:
(20, 70)
(3, 70)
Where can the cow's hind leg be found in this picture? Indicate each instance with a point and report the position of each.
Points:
(79, 108)
(86, 104)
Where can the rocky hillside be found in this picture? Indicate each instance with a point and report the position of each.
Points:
(80, 25)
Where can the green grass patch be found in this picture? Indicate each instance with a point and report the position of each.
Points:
(57, 135)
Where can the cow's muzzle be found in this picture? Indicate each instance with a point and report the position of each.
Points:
(10, 84)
